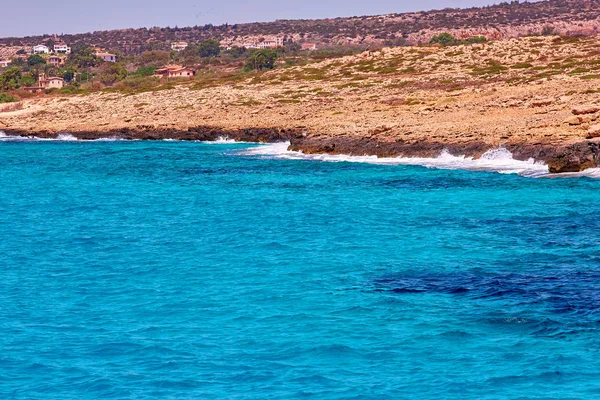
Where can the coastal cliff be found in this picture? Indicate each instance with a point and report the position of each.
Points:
(537, 97)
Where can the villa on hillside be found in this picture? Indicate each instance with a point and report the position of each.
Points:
(175, 71)
(61, 48)
(56, 61)
(309, 46)
(44, 83)
(106, 56)
(179, 46)
(41, 49)
(4, 63)
(265, 44)
(271, 44)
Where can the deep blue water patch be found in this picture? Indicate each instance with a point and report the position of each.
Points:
(184, 270)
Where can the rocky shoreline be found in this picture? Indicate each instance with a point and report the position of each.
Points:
(537, 97)
(560, 159)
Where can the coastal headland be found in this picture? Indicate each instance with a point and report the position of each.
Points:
(538, 97)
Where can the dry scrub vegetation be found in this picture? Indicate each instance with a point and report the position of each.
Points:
(503, 91)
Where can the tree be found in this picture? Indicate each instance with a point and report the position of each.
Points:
(237, 52)
(209, 48)
(445, 39)
(11, 79)
(145, 71)
(112, 73)
(35, 60)
(68, 74)
(6, 98)
(260, 60)
(292, 47)
(154, 58)
(83, 56)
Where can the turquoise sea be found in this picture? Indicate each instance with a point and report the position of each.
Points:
(142, 270)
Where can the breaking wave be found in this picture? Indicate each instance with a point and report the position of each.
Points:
(62, 137)
(66, 137)
(496, 160)
(224, 140)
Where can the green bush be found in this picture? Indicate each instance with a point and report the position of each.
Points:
(261, 60)
(35, 59)
(209, 48)
(445, 39)
(6, 98)
(112, 73)
(11, 79)
(145, 71)
(476, 39)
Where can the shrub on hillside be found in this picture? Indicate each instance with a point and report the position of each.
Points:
(145, 71)
(476, 39)
(444, 39)
(35, 59)
(11, 79)
(209, 48)
(6, 98)
(112, 73)
(261, 60)
(83, 56)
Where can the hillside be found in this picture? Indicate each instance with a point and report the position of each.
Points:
(506, 20)
(536, 96)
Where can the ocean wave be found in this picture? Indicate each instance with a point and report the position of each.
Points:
(498, 160)
(224, 140)
(65, 137)
(62, 137)
(109, 139)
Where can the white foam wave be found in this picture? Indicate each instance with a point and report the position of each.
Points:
(66, 137)
(223, 140)
(9, 138)
(497, 160)
(108, 139)
(63, 137)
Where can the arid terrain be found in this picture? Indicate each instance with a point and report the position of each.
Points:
(498, 22)
(536, 96)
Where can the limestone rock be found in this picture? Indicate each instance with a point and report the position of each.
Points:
(541, 102)
(588, 109)
(575, 120)
(593, 131)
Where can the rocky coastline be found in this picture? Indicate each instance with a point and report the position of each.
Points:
(537, 97)
(560, 159)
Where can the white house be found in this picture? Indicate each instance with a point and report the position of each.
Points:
(41, 49)
(4, 63)
(271, 44)
(107, 56)
(179, 46)
(61, 48)
(175, 71)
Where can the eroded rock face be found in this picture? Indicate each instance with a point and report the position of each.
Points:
(202, 133)
(587, 109)
(575, 120)
(575, 158)
(572, 158)
(593, 131)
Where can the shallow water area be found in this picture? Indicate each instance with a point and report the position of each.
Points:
(134, 269)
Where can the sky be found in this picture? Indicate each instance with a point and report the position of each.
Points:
(35, 17)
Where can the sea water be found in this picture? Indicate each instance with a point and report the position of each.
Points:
(185, 270)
